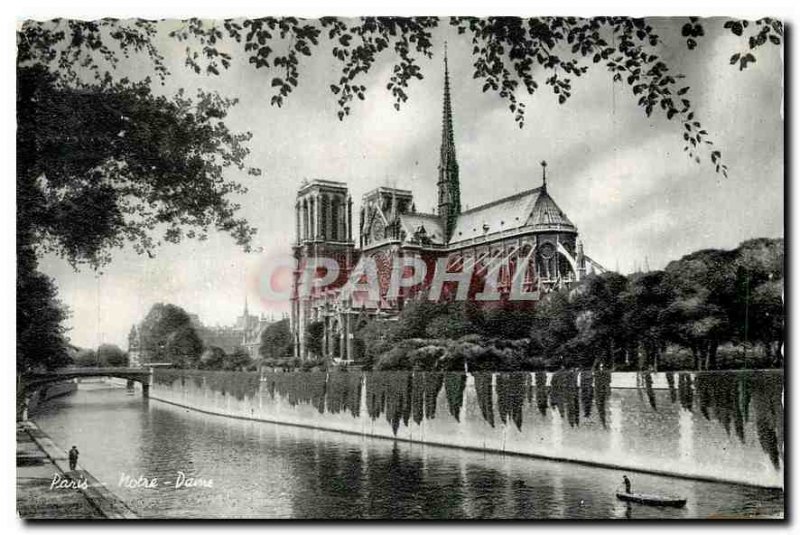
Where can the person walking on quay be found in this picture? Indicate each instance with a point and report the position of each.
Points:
(73, 458)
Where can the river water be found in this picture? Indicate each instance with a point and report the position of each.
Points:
(263, 470)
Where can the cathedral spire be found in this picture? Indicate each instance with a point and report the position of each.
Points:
(448, 148)
(448, 184)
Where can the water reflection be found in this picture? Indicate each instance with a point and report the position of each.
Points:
(272, 471)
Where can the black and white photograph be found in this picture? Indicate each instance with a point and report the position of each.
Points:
(400, 267)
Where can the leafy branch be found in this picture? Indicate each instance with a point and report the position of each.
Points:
(510, 55)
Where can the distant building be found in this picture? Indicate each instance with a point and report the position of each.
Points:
(245, 333)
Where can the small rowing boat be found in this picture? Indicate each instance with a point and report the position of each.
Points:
(651, 499)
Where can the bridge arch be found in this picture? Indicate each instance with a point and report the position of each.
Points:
(29, 383)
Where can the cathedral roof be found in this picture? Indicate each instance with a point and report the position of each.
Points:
(546, 213)
(413, 222)
(533, 209)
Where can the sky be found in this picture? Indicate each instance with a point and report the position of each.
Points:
(620, 176)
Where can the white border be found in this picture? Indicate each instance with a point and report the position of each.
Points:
(785, 9)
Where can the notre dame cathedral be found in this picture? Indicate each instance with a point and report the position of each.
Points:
(526, 229)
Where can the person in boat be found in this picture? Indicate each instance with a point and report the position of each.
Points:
(73, 458)
(627, 483)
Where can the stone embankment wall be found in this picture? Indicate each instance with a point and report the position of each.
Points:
(725, 426)
(49, 392)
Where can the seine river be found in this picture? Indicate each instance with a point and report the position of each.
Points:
(261, 470)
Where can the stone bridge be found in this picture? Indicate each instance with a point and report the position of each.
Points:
(30, 382)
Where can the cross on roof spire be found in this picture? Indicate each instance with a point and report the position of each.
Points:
(544, 174)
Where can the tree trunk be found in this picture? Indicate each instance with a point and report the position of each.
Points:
(703, 356)
(610, 360)
(711, 363)
(695, 357)
(775, 352)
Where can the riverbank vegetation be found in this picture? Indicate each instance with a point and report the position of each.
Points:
(711, 309)
(106, 355)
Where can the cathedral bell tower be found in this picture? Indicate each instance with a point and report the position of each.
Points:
(324, 231)
(448, 184)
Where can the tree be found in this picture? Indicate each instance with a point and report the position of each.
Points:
(102, 165)
(704, 285)
(86, 358)
(183, 347)
(766, 319)
(372, 339)
(111, 355)
(646, 298)
(315, 332)
(451, 320)
(41, 335)
(213, 358)
(553, 328)
(416, 317)
(277, 341)
(158, 330)
(757, 313)
(507, 321)
(510, 55)
(600, 310)
(102, 162)
(238, 361)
